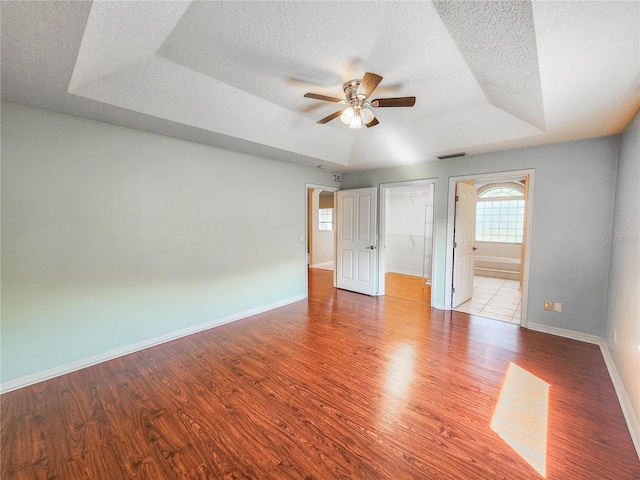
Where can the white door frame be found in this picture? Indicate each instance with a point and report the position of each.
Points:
(307, 220)
(384, 188)
(450, 223)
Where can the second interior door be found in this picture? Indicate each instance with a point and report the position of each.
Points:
(464, 243)
(356, 246)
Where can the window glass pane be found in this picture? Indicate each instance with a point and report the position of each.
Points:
(325, 219)
(500, 216)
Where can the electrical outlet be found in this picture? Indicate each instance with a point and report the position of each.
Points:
(548, 305)
(557, 307)
(245, 293)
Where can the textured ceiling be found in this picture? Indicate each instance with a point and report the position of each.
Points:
(487, 75)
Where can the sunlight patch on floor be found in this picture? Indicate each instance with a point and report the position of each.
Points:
(397, 384)
(521, 416)
(400, 372)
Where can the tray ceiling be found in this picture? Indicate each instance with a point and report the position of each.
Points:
(487, 75)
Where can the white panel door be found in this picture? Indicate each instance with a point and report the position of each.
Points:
(356, 240)
(464, 243)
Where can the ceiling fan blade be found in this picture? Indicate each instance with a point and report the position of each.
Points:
(330, 117)
(394, 102)
(372, 123)
(317, 96)
(369, 83)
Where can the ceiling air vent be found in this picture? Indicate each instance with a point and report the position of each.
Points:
(452, 155)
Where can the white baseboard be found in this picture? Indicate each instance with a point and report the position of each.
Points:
(627, 408)
(323, 265)
(119, 352)
(405, 272)
(561, 332)
(623, 398)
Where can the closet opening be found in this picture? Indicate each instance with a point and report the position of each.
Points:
(407, 232)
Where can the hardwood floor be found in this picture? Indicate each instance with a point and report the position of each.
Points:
(339, 386)
(407, 287)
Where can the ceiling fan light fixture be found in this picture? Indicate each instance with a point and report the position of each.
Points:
(356, 121)
(366, 115)
(347, 115)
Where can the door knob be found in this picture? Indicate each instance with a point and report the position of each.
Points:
(475, 248)
(371, 247)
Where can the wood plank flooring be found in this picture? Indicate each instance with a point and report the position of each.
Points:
(407, 287)
(339, 386)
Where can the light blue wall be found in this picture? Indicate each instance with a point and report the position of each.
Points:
(572, 214)
(112, 237)
(622, 330)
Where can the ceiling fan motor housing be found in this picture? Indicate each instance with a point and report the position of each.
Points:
(351, 90)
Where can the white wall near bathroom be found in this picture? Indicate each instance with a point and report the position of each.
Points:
(622, 326)
(569, 262)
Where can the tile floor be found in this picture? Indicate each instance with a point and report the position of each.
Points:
(494, 298)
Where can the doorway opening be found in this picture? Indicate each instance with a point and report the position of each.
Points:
(406, 234)
(487, 254)
(321, 218)
(321, 228)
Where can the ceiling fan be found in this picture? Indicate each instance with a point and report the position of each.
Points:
(358, 114)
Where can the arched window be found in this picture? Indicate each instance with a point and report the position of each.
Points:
(495, 192)
(500, 213)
